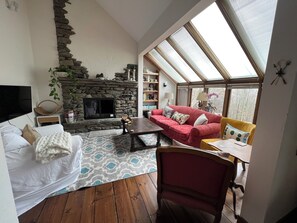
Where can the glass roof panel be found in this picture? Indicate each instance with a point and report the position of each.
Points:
(195, 55)
(257, 19)
(166, 67)
(178, 62)
(216, 32)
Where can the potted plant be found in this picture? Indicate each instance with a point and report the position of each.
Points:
(54, 84)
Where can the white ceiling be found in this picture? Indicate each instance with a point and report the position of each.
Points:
(135, 16)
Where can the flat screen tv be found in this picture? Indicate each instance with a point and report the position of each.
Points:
(15, 101)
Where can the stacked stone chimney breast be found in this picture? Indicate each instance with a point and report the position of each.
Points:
(63, 32)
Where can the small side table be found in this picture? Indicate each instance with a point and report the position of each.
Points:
(48, 119)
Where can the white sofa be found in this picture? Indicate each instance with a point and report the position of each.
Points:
(32, 181)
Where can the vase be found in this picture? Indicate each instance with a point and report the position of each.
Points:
(70, 117)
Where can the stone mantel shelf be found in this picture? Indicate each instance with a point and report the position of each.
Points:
(97, 82)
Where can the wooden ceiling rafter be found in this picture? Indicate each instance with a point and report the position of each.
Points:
(185, 58)
(162, 54)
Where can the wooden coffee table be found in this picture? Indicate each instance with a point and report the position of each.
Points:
(142, 126)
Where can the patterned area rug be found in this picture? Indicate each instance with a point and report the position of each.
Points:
(107, 158)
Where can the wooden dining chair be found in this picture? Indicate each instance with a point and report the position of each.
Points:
(194, 178)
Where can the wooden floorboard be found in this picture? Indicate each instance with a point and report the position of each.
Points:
(105, 210)
(137, 201)
(149, 194)
(33, 214)
(58, 210)
(123, 203)
(128, 200)
(88, 207)
(73, 208)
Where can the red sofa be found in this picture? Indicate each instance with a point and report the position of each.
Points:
(187, 133)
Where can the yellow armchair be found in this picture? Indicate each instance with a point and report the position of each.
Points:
(241, 125)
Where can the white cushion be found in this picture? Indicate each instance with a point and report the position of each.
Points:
(201, 120)
(49, 129)
(167, 112)
(12, 141)
(10, 129)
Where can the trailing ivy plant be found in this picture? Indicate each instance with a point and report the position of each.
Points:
(54, 82)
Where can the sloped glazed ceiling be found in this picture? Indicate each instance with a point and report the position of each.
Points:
(227, 41)
(135, 16)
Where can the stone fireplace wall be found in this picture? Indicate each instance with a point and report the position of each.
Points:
(63, 31)
(124, 93)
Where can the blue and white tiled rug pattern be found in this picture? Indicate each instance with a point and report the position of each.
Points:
(108, 158)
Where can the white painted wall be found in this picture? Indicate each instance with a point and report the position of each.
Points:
(272, 180)
(100, 43)
(140, 86)
(135, 16)
(44, 43)
(171, 87)
(16, 62)
(7, 206)
(16, 56)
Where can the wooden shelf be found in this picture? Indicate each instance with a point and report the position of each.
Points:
(149, 91)
(151, 74)
(150, 101)
(151, 82)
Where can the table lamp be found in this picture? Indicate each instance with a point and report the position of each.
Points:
(169, 96)
(202, 98)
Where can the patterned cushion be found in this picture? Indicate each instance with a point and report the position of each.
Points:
(180, 118)
(233, 133)
(167, 112)
(201, 120)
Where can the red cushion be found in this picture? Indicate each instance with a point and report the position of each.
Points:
(180, 132)
(157, 112)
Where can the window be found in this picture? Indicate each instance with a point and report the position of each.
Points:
(214, 29)
(242, 104)
(216, 98)
(194, 101)
(166, 67)
(182, 96)
(207, 51)
(256, 22)
(195, 55)
(178, 62)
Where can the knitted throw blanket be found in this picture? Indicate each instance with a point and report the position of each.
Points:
(51, 147)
